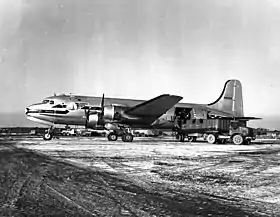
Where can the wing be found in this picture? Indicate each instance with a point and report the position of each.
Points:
(154, 107)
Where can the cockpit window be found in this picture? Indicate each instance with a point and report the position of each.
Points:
(59, 106)
(45, 101)
(51, 102)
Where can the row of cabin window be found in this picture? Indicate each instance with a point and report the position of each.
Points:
(73, 106)
(48, 101)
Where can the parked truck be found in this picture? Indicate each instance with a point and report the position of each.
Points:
(215, 131)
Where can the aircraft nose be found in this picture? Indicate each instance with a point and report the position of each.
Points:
(31, 109)
(27, 110)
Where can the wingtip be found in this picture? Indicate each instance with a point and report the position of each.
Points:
(170, 95)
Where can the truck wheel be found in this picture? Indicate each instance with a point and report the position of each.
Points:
(211, 138)
(237, 139)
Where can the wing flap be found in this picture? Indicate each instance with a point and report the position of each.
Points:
(154, 107)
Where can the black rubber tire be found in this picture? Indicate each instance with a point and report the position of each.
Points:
(237, 139)
(47, 136)
(211, 139)
(127, 137)
(112, 136)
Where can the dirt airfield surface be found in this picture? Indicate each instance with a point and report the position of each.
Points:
(148, 177)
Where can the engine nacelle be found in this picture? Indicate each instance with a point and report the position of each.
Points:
(113, 112)
(92, 121)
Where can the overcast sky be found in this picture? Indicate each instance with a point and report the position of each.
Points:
(140, 49)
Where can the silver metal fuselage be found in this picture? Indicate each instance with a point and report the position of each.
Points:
(71, 114)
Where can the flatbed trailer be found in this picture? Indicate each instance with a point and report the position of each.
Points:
(215, 131)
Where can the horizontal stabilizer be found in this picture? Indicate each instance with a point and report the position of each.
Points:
(247, 118)
(228, 115)
(154, 107)
(239, 118)
(218, 113)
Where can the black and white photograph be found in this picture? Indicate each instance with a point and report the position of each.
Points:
(142, 108)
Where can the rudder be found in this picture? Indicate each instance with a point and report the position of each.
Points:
(231, 99)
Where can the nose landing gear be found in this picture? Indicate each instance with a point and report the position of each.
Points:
(48, 134)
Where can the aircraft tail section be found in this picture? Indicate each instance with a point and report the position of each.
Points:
(231, 99)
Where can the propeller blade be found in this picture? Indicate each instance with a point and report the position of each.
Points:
(95, 110)
(87, 117)
(102, 103)
(101, 114)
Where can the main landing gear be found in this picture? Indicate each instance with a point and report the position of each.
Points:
(126, 136)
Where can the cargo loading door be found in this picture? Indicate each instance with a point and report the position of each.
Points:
(181, 115)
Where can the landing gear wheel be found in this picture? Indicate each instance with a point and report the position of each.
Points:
(237, 139)
(112, 136)
(211, 138)
(127, 137)
(47, 136)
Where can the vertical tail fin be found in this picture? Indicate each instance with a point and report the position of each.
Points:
(231, 99)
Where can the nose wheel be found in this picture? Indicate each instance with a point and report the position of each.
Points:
(48, 134)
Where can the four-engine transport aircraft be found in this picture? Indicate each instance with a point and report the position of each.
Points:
(114, 114)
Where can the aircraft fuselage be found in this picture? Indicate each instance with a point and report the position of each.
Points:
(72, 113)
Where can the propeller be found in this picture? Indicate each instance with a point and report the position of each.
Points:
(100, 113)
(87, 116)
